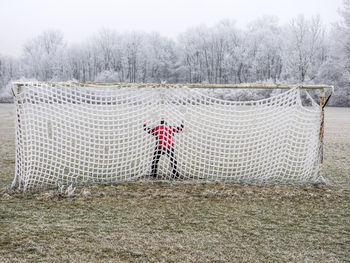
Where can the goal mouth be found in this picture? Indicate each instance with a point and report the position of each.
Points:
(88, 133)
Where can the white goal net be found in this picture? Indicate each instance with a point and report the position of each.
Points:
(81, 134)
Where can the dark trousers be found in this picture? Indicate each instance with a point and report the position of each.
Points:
(156, 157)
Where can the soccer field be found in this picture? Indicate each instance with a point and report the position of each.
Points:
(187, 222)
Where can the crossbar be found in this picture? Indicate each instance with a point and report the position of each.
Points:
(190, 85)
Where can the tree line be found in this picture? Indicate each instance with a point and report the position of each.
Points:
(303, 51)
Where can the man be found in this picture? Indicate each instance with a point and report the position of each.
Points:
(164, 145)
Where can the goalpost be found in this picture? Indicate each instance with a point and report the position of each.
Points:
(85, 133)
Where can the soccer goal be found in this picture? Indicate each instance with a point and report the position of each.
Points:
(86, 133)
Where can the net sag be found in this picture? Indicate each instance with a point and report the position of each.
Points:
(85, 134)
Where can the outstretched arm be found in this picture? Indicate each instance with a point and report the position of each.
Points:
(177, 129)
(148, 129)
(145, 128)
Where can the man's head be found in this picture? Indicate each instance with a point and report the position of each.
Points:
(162, 122)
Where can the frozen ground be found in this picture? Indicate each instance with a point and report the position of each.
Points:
(157, 222)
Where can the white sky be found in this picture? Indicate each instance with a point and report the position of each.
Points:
(79, 19)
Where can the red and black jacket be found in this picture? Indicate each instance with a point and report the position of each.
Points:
(163, 134)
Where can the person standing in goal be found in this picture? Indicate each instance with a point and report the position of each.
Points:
(164, 145)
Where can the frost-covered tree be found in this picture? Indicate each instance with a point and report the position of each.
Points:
(336, 69)
(107, 45)
(264, 40)
(42, 56)
(162, 59)
(343, 37)
(209, 54)
(9, 70)
(303, 48)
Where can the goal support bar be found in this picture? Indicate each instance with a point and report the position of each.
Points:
(19, 87)
(195, 85)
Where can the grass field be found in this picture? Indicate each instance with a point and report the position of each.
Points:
(161, 222)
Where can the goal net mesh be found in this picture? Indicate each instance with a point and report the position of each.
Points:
(82, 134)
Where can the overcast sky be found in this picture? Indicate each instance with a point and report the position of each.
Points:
(79, 19)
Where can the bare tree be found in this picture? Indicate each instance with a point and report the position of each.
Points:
(304, 42)
(344, 29)
(41, 55)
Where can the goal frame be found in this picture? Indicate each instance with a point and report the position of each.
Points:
(323, 99)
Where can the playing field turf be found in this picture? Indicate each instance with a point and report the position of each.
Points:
(162, 222)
